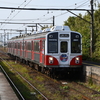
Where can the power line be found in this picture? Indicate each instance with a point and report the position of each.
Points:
(69, 11)
(18, 11)
(20, 19)
(43, 9)
(27, 9)
(87, 2)
(13, 30)
(57, 6)
(22, 23)
(62, 9)
(13, 11)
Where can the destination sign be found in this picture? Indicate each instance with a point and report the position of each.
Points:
(64, 35)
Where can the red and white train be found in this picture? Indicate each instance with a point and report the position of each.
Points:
(54, 49)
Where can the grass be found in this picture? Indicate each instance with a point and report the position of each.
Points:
(26, 90)
(23, 87)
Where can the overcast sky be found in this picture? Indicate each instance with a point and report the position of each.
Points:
(27, 16)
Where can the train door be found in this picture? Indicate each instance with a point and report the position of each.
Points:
(64, 53)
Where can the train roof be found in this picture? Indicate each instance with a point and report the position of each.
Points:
(43, 32)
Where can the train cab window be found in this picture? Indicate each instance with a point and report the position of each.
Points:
(76, 47)
(52, 42)
(64, 47)
(52, 47)
(75, 43)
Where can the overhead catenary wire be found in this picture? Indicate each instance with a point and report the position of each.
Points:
(17, 12)
(30, 0)
(81, 3)
(20, 10)
(12, 11)
(60, 9)
(22, 23)
(84, 3)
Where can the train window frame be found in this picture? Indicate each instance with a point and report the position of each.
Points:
(29, 45)
(52, 39)
(18, 45)
(8, 44)
(75, 43)
(15, 45)
(43, 46)
(76, 47)
(36, 46)
(25, 46)
(53, 45)
(63, 49)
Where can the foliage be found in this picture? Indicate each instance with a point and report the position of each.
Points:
(44, 27)
(76, 24)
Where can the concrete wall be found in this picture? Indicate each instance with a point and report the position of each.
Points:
(92, 72)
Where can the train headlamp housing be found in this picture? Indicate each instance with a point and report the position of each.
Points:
(77, 60)
(50, 60)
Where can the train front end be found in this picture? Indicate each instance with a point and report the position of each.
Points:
(63, 48)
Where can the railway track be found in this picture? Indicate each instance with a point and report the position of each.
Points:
(83, 92)
(13, 85)
(45, 98)
(86, 92)
(74, 88)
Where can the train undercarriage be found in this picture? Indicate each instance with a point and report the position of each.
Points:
(51, 71)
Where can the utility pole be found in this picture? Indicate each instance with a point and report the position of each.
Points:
(36, 27)
(7, 36)
(4, 38)
(92, 30)
(53, 20)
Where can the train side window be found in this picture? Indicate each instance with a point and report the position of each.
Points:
(18, 45)
(36, 46)
(29, 46)
(64, 47)
(8, 44)
(53, 47)
(15, 45)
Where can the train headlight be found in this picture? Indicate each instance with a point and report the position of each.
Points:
(77, 60)
(50, 60)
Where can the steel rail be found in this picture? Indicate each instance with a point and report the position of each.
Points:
(12, 83)
(29, 83)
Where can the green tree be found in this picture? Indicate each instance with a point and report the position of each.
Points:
(76, 24)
